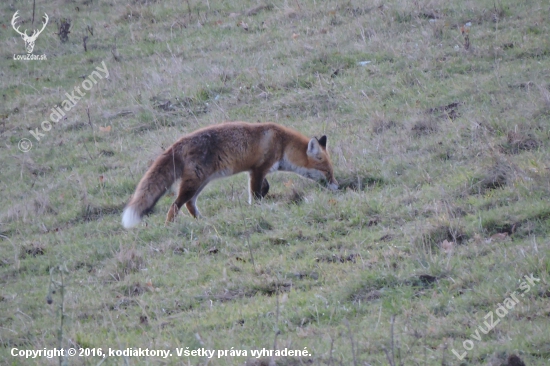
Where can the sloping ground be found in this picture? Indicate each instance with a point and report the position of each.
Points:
(437, 117)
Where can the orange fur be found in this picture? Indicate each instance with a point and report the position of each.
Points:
(223, 150)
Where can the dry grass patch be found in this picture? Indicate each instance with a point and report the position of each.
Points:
(500, 174)
(359, 183)
(33, 250)
(518, 142)
(424, 127)
(258, 288)
(380, 125)
(434, 234)
(126, 261)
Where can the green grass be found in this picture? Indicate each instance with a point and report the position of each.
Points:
(437, 149)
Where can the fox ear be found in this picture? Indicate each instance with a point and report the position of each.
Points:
(313, 148)
(323, 141)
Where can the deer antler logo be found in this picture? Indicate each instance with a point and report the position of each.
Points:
(29, 40)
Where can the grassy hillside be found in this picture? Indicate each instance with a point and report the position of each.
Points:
(437, 115)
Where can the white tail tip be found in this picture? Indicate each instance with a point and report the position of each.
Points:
(130, 218)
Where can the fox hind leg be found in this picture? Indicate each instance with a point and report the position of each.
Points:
(192, 207)
(187, 192)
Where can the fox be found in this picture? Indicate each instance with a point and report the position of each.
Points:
(223, 150)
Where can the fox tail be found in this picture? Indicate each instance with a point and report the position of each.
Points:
(155, 183)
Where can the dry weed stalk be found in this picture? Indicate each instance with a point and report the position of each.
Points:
(52, 289)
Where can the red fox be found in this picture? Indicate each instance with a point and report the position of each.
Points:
(220, 151)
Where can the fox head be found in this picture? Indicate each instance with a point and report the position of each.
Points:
(319, 164)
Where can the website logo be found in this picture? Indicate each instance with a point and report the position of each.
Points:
(29, 40)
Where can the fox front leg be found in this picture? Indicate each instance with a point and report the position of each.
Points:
(258, 186)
